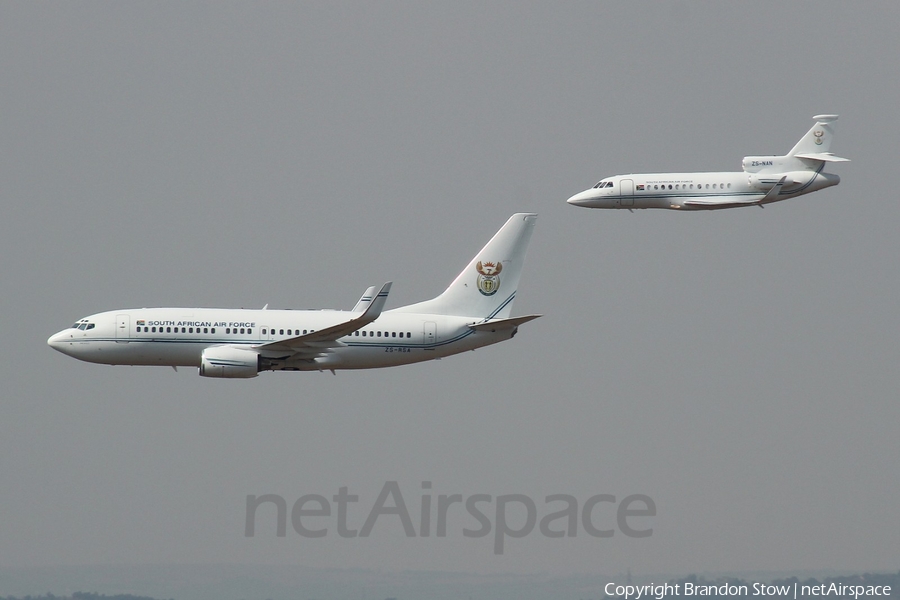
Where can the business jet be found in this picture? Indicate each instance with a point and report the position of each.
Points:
(474, 311)
(765, 179)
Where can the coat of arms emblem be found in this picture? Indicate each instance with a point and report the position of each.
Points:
(488, 277)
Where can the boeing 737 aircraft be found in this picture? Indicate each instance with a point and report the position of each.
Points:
(765, 179)
(471, 313)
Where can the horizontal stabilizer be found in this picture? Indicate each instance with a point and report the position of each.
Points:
(823, 156)
(501, 324)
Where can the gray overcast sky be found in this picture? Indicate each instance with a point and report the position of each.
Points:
(740, 367)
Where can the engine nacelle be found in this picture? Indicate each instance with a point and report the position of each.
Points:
(229, 362)
(768, 180)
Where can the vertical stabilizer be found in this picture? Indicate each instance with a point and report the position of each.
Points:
(487, 286)
(818, 139)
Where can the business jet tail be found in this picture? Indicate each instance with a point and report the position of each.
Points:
(487, 286)
(815, 144)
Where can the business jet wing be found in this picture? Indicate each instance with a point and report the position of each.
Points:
(718, 203)
(319, 342)
(501, 324)
(771, 196)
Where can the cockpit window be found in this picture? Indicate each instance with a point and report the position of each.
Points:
(90, 326)
(82, 326)
(75, 325)
(603, 184)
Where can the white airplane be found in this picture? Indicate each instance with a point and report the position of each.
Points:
(471, 313)
(765, 179)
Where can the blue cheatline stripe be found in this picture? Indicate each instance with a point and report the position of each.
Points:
(501, 307)
(809, 183)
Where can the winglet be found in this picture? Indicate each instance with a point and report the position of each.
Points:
(365, 300)
(326, 338)
(375, 308)
(341, 329)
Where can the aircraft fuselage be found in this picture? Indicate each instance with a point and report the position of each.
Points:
(177, 337)
(698, 191)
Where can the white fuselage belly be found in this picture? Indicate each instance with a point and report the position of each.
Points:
(678, 190)
(177, 337)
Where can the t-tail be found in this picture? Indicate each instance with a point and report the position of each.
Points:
(799, 171)
(487, 286)
(818, 139)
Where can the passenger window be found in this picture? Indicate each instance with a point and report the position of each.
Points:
(153, 329)
(190, 330)
(213, 330)
(205, 330)
(408, 334)
(145, 330)
(242, 330)
(289, 332)
(249, 331)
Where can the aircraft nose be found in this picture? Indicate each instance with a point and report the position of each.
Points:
(55, 341)
(581, 198)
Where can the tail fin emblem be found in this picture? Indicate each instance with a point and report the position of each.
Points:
(488, 277)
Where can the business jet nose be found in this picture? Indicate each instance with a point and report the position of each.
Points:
(581, 198)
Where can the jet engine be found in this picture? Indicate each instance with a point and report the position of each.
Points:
(767, 180)
(229, 362)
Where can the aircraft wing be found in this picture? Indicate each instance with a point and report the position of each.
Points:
(501, 324)
(771, 196)
(718, 203)
(318, 343)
